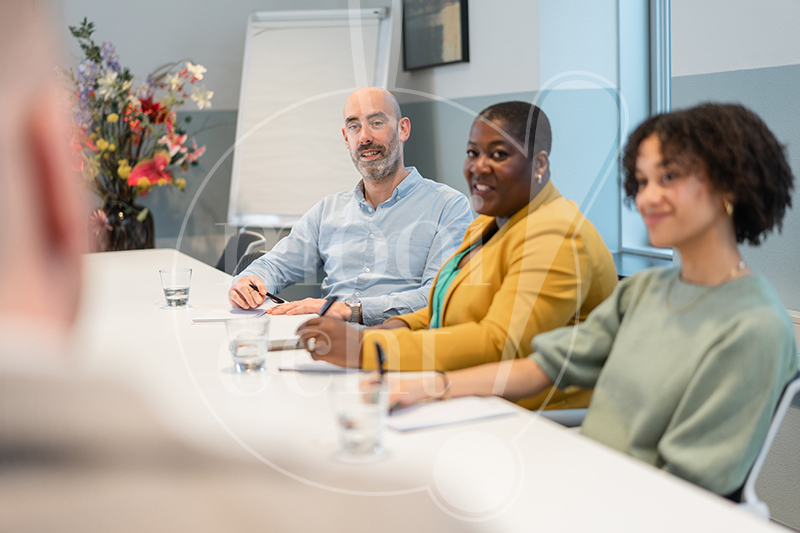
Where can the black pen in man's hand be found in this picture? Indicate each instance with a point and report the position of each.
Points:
(327, 305)
(276, 299)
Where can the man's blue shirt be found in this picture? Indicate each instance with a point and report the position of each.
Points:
(387, 257)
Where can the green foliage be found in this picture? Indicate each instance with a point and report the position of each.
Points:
(142, 215)
(84, 36)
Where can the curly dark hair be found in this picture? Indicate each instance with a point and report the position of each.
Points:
(525, 121)
(738, 153)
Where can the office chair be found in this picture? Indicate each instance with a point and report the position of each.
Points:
(566, 417)
(749, 498)
(240, 244)
(245, 261)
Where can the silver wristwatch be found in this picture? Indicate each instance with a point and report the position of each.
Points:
(355, 309)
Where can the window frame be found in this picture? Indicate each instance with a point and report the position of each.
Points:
(645, 78)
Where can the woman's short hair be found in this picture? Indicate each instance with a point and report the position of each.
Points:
(525, 121)
(737, 152)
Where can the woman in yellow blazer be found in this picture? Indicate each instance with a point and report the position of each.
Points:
(531, 263)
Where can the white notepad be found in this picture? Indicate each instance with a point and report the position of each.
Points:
(301, 361)
(434, 414)
(283, 327)
(222, 315)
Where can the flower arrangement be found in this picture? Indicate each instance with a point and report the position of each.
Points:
(127, 140)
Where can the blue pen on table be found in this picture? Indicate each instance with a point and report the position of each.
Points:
(327, 305)
(276, 299)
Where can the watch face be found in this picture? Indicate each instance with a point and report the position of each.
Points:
(352, 301)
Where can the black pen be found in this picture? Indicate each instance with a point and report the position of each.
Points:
(327, 305)
(381, 358)
(276, 299)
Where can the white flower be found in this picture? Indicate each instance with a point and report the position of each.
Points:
(134, 100)
(195, 70)
(202, 97)
(174, 81)
(105, 85)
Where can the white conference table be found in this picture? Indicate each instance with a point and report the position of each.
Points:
(516, 473)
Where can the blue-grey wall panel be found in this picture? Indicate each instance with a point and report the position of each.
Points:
(773, 94)
(584, 123)
(203, 235)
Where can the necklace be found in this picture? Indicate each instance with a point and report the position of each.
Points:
(734, 272)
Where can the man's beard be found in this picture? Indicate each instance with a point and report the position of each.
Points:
(380, 169)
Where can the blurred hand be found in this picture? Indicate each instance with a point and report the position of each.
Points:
(311, 306)
(243, 296)
(334, 341)
(403, 392)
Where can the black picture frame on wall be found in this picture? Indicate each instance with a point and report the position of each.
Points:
(435, 32)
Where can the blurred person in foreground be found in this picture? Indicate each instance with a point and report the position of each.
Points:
(687, 363)
(530, 263)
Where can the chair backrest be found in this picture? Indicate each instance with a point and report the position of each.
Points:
(240, 244)
(245, 261)
(750, 499)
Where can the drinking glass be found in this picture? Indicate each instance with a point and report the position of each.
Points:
(248, 338)
(360, 403)
(175, 283)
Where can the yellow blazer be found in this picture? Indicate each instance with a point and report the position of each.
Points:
(546, 267)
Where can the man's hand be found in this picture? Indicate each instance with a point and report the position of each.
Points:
(334, 341)
(243, 296)
(311, 306)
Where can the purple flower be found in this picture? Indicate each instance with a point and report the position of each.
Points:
(109, 55)
(84, 119)
(88, 72)
(147, 89)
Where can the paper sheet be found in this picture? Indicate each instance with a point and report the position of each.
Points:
(283, 327)
(222, 315)
(301, 361)
(434, 414)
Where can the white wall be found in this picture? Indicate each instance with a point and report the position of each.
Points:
(722, 35)
(149, 33)
(504, 42)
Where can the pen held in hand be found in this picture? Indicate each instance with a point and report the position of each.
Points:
(276, 299)
(327, 305)
(381, 358)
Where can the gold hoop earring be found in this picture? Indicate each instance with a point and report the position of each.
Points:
(729, 208)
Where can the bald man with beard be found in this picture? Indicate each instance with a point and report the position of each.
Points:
(379, 244)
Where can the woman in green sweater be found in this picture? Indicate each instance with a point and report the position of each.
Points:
(688, 363)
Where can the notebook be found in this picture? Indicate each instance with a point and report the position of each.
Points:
(458, 410)
(222, 315)
(301, 361)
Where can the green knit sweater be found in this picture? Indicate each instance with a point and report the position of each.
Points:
(691, 388)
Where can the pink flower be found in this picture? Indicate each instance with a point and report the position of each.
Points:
(173, 142)
(151, 170)
(98, 222)
(196, 152)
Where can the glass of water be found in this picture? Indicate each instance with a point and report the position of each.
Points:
(248, 338)
(175, 283)
(360, 403)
